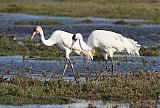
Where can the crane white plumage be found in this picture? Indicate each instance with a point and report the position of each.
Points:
(110, 42)
(66, 42)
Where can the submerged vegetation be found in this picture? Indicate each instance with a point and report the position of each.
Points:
(86, 21)
(39, 22)
(51, 22)
(122, 22)
(146, 9)
(132, 87)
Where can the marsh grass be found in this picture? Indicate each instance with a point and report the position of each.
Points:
(27, 48)
(137, 86)
(86, 21)
(122, 22)
(18, 100)
(146, 9)
(150, 51)
(7, 36)
(51, 22)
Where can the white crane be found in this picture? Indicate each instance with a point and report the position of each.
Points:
(66, 42)
(109, 42)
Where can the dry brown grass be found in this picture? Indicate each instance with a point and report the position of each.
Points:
(146, 9)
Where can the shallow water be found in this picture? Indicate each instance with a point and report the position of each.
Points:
(45, 70)
(78, 104)
(83, 104)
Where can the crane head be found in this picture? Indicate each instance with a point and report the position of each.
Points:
(36, 30)
(89, 54)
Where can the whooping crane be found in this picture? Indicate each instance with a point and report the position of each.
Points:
(109, 42)
(64, 41)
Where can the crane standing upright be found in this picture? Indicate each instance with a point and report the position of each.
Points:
(66, 42)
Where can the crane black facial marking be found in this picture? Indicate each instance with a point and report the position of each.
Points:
(74, 37)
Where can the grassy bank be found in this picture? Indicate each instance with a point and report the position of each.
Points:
(20, 100)
(132, 87)
(147, 9)
(24, 49)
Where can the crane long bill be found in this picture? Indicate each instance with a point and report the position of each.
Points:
(34, 33)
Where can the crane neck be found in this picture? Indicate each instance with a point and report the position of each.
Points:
(46, 42)
(83, 45)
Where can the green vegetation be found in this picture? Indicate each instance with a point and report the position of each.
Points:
(7, 36)
(134, 86)
(24, 90)
(145, 9)
(122, 22)
(150, 51)
(49, 22)
(86, 21)
(28, 48)
(39, 22)
(19, 100)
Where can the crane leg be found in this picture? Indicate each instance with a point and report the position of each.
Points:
(65, 68)
(112, 66)
(107, 68)
(107, 65)
(84, 60)
(71, 64)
